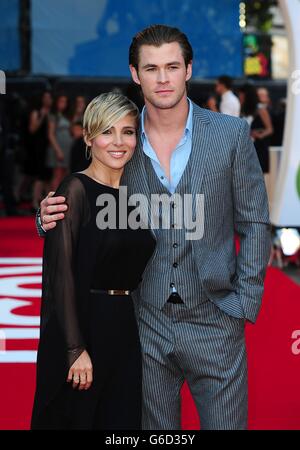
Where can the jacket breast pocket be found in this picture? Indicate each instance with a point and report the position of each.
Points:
(216, 185)
(217, 181)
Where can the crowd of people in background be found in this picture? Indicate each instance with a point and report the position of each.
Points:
(54, 142)
(49, 138)
(254, 105)
(47, 144)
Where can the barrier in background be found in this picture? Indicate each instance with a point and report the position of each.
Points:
(286, 203)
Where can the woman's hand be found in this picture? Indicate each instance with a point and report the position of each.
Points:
(60, 156)
(257, 134)
(81, 372)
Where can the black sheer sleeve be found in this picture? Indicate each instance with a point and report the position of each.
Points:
(59, 287)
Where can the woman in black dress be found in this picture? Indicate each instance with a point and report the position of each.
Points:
(260, 123)
(89, 334)
(37, 148)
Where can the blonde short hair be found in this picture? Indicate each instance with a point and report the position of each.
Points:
(104, 111)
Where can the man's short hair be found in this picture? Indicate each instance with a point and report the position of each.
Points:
(158, 35)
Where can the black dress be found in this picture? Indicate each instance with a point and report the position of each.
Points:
(80, 259)
(261, 145)
(37, 144)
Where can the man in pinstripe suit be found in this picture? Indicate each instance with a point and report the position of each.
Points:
(195, 295)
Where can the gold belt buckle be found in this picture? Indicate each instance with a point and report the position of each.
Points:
(118, 292)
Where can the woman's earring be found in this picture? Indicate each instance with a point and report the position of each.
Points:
(88, 152)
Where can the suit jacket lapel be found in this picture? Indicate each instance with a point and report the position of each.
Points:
(201, 145)
(134, 175)
(136, 180)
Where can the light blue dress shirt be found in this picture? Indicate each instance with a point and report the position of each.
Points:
(180, 155)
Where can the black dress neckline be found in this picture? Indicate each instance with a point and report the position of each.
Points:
(97, 182)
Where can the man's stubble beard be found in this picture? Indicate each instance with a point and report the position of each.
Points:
(169, 105)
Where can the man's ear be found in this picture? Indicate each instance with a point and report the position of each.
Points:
(189, 71)
(134, 74)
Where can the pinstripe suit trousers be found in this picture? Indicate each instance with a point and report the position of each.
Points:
(202, 345)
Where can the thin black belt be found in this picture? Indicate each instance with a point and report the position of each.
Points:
(111, 291)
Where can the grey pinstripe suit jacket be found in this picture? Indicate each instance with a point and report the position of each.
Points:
(225, 168)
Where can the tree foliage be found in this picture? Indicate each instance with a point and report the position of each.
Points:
(259, 14)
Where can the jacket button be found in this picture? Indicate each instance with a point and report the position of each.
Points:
(175, 265)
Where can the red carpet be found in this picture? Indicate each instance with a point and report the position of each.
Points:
(273, 354)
